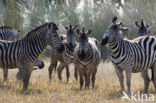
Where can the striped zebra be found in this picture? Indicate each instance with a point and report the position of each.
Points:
(66, 57)
(7, 33)
(143, 29)
(132, 56)
(23, 52)
(87, 57)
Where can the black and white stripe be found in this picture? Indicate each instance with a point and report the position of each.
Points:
(87, 56)
(23, 52)
(132, 56)
(7, 33)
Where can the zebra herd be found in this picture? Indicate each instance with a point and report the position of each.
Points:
(131, 56)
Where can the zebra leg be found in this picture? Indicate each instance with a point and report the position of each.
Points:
(81, 78)
(93, 77)
(59, 70)
(153, 69)
(52, 66)
(75, 73)
(146, 78)
(5, 75)
(67, 73)
(154, 79)
(128, 82)
(119, 73)
(87, 78)
(19, 75)
(26, 76)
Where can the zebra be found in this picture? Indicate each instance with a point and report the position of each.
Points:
(66, 57)
(87, 57)
(7, 33)
(130, 55)
(143, 29)
(23, 52)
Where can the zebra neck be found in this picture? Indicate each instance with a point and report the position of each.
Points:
(115, 46)
(84, 61)
(88, 56)
(69, 52)
(34, 46)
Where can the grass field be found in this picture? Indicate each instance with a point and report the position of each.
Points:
(41, 91)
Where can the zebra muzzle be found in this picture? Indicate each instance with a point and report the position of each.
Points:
(41, 66)
(104, 41)
(82, 54)
(61, 49)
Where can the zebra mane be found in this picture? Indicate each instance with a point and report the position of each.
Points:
(40, 28)
(5, 27)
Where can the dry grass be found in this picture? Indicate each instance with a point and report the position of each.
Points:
(41, 91)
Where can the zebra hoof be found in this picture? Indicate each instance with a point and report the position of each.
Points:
(87, 88)
(25, 92)
(5, 80)
(143, 92)
(49, 80)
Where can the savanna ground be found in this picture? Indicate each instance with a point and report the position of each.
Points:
(41, 91)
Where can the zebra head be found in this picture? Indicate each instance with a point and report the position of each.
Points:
(53, 38)
(142, 28)
(8, 33)
(39, 63)
(83, 42)
(113, 31)
(71, 36)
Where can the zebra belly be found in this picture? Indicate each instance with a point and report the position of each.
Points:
(7, 60)
(141, 67)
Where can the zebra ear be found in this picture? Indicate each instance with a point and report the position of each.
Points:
(66, 27)
(149, 26)
(114, 19)
(78, 31)
(89, 32)
(76, 26)
(49, 26)
(137, 24)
